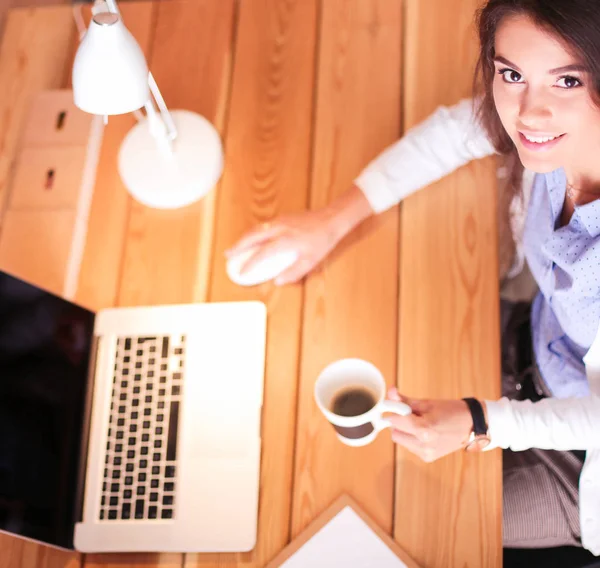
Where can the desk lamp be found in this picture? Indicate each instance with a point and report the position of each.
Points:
(169, 159)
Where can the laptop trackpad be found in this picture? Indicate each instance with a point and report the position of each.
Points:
(230, 433)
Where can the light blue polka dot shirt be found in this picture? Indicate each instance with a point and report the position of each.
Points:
(565, 262)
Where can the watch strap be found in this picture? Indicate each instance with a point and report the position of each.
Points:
(479, 425)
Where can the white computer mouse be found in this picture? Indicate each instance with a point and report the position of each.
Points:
(266, 270)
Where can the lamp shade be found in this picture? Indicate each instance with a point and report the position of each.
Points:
(110, 73)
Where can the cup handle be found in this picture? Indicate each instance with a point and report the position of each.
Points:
(393, 406)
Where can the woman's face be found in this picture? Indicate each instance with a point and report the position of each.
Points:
(542, 96)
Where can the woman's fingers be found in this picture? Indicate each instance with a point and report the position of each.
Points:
(294, 273)
(414, 425)
(267, 251)
(257, 236)
(413, 445)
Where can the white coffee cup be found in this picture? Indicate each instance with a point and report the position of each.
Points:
(359, 384)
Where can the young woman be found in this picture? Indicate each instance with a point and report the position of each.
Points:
(539, 72)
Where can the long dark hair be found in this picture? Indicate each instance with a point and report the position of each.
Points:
(577, 22)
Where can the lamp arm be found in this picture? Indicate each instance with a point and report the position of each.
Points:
(164, 111)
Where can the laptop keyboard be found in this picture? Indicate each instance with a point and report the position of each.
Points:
(140, 475)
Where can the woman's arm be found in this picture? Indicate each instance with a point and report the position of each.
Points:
(550, 424)
(448, 139)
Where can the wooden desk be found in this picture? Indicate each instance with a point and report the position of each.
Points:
(305, 93)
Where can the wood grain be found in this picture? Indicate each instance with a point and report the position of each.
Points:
(18, 553)
(100, 271)
(164, 248)
(448, 513)
(267, 173)
(350, 306)
(33, 56)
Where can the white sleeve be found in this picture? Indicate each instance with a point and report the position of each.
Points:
(449, 138)
(550, 424)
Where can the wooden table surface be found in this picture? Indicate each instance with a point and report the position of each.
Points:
(305, 93)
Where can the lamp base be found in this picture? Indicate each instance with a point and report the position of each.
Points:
(168, 179)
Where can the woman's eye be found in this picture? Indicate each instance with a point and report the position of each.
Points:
(568, 83)
(510, 76)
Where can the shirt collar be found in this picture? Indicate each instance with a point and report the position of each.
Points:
(588, 214)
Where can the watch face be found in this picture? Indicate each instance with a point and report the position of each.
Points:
(478, 443)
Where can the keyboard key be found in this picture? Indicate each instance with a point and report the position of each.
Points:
(155, 469)
(152, 511)
(170, 471)
(130, 454)
(131, 441)
(141, 490)
(117, 461)
(139, 509)
(167, 514)
(160, 417)
(142, 477)
(116, 474)
(127, 344)
(103, 500)
(173, 426)
(143, 464)
(112, 514)
(175, 390)
(161, 405)
(151, 361)
(123, 396)
(129, 480)
(127, 494)
(156, 457)
(136, 390)
(159, 430)
(158, 444)
(121, 422)
(153, 497)
(120, 435)
(102, 515)
(139, 353)
(168, 500)
(133, 427)
(114, 487)
(114, 501)
(144, 450)
(147, 411)
(165, 347)
(148, 399)
(129, 467)
(154, 484)
(126, 511)
(146, 424)
(118, 448)
(124, 384)
(134, 415)
(135, 402)
(169, 486)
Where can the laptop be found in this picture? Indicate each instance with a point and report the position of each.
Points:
(130, 429)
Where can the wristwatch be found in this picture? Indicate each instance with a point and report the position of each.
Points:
(479, 437)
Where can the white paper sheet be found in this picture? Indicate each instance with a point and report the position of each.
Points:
(345, 542)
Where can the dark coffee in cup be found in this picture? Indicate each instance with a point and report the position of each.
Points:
(353, 401)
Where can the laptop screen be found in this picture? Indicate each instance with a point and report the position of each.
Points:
(45, 345)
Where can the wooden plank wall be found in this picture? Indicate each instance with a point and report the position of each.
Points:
(449, 321)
